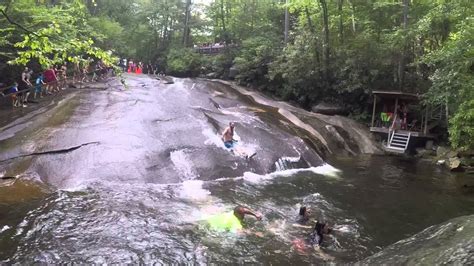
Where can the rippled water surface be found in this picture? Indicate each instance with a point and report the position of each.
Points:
(374, 201)
(143, 192)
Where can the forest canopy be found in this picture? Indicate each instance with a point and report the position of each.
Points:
(302, 51)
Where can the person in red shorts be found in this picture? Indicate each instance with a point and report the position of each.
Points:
(50, 79)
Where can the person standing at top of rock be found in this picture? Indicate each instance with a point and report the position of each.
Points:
(63, 76)
(50, 79)
(124, 65)
(13, 91)
(38, 86)
(25, 86)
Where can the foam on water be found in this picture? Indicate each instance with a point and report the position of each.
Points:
(4, 228)
(193, 190)
(325, 169)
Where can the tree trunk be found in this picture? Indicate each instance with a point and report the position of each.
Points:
(352, 16)
(223, 16)
(187, 30)
(287, 22)
(252, 20)
(310, 22)
(401, 62)
(341, 25)
(312, 29)
(326, 47)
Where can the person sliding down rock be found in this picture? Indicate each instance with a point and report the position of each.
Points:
(228, 136)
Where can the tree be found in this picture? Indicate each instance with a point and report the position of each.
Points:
(57, 33)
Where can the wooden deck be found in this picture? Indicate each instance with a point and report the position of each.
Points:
(415, 134)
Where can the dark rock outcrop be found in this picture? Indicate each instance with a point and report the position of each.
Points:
(328, 109)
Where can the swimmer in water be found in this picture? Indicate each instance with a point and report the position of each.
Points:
(316, 239)
(317, 236)
(232, 221)
(303, 218)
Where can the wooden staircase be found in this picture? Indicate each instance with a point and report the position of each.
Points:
(398, 142)
(436, 117)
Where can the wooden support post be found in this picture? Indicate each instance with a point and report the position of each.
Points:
(425, 130)
(395, 113)
(396, 106)
(373, 112)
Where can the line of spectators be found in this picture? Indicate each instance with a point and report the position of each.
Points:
(52, 80)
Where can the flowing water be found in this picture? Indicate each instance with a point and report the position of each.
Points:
(155, 170)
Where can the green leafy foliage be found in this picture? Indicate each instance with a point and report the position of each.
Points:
(254, 58)
(55, 34)
(453, 82)
(461, 130)
(183, 62)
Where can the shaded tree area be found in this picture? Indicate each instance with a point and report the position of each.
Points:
(41, 33)
(330, 50)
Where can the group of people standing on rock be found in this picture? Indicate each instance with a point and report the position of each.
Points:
(52, 80)
(130, 66)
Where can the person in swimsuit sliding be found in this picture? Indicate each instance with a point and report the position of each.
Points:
(228, 136)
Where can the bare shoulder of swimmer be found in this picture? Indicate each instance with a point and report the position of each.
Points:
(302, 226)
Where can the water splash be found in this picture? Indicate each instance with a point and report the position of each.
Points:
(325, 170)
(183, 164)
(193, 190)
(285, 163)
(4, 228)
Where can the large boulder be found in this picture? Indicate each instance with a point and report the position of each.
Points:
(233, 72)
(453, 163)
(328, 109)
(425, 153)
(212, 75)
(441, 151)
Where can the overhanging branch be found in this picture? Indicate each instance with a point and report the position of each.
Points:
(16, 24)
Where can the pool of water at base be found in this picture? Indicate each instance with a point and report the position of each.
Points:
(373, 201)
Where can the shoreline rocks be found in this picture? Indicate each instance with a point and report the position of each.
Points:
(454, 160)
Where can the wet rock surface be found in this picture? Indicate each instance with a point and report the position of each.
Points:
(128, 175)
(449, 243)
(328, 109)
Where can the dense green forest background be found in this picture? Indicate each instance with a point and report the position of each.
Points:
(334, 51)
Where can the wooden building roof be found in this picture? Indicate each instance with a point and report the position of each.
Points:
(398, 94)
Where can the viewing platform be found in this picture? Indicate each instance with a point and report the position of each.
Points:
(212, 49)
(401, 117)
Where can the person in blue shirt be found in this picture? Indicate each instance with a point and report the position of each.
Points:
(13, 91)
(38, 86)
